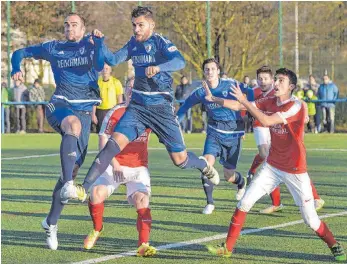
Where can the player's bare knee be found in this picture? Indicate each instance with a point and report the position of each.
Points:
(229, 175)
(140, 200)
(71, 125)
(98, 194)
(178, 158)
(120, 139)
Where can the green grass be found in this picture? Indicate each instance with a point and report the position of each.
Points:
(177, 202)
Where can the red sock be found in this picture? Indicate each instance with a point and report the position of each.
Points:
(144, 223)
(256, 163)
(235, 227)
(314, 192)
(325, 234)
(97, 213)
(276, 197)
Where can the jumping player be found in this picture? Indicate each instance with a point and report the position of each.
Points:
(154, 58)
(75, 64)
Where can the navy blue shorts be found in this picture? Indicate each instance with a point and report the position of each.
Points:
(228, 150)
(56, 111)
(160, 118)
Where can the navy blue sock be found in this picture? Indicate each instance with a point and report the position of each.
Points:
(56, 206)
(239, 180)
(101, 162)
(193, 162)
(208, 188)
(68, 155)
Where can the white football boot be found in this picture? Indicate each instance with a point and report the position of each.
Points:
(51, 232)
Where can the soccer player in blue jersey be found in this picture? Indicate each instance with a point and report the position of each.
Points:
(75, 64)
(154, 58)
(224, 132)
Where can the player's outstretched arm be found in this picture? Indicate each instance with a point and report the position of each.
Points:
(111, 58)
(193, 99)
(36, 52)
(265, 120)
(227, 103)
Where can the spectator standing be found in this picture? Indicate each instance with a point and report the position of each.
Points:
(328, 91)
(20, 94)
(311, 107)
(246, 81)
(37, 94)
(313, 85)
(182, 92)
(111, 93)
(5, 108)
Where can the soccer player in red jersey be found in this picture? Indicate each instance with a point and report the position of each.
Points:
(263, 140)
(129, 168)
(285, 115)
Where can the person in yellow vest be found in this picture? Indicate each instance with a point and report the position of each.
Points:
(111, 93)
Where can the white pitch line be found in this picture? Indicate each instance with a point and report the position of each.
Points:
(94, 152)
(202, 240)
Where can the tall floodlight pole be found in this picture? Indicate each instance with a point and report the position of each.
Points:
(297, 39)
(73, 6)
(208, 28)
(8, 18)
(280, 33)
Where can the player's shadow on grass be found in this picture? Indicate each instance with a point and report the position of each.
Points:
(317, 258)
(20, 174)
(329, 186)
(67, 242)
(27, 190)
(157, 224)
(26, 198)
(284, 233)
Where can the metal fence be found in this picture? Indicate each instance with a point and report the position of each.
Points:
(197, 116)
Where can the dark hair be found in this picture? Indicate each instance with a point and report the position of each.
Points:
(290, 74)
(264, 69)
(183, 76)
(209, 61)
(37, 81)
(142, 11)
(81, 17)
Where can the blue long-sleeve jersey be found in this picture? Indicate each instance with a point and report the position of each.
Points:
(75, 66)
(221, 121)
(156, 51)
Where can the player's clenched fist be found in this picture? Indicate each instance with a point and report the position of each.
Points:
(97, 33)
(18, 76)
(151, 71)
